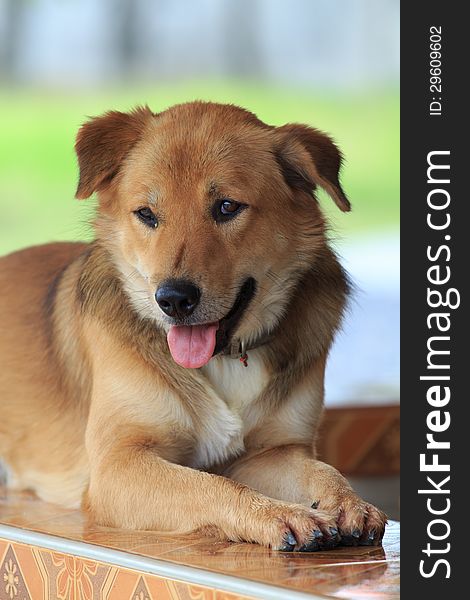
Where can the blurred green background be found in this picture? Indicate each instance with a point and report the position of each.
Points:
(332, 64)
(38, 170)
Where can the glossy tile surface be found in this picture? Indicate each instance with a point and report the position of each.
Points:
(37, 572)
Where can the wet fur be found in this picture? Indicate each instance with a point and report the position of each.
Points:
(95, 412)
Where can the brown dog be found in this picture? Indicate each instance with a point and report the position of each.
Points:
(121, 386)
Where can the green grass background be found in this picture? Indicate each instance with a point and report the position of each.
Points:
(38, 171)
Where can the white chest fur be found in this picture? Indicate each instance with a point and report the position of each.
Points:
(238, 386)
(232, 390)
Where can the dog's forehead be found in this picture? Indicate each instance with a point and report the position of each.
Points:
(204, 130)
(204, 141)
(204, 114)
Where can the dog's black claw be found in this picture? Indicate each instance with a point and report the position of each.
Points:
(289, 542)
(314, 544)
(356, 533)
(333, 540)
(348, 540)
(311, 546)
(367, 540)
(371, 536)
(315, 504)
(290, 539)
(317, 533)
(373, 539)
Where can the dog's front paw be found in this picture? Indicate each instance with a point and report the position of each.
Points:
(360, 523)
(292, 527)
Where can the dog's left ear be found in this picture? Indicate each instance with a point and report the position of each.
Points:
(102, 145)
(307, 158)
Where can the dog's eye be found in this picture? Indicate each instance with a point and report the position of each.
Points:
(147, 217)
(224, 210)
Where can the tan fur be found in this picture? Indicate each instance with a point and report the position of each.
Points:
(95, 410)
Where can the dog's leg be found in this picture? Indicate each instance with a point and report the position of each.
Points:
(291, 473)
(132, 487)
(140, 437)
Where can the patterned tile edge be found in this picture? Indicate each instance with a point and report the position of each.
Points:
(152, 566)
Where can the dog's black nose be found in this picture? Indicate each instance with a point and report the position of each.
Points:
(177, 298)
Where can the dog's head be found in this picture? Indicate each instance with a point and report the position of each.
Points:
(209, 215)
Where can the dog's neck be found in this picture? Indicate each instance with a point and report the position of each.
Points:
(237, 349)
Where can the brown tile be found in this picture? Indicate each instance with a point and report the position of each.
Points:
(228, 596)
(122, 585)
(3, 548)
(27, 511)
(167, 589)
(343, 572)
(68, 573)
(362, 440)
(130, 540)
(30, 569)
(328, 580)
(12, 580)
(255, 562)
(386, 587)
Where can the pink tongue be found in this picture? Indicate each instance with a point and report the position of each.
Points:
(192, 346)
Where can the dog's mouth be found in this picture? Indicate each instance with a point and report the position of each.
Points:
(192, 346)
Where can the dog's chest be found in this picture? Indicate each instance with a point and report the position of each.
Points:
(233, 389)
(225, 420)
(237, 385)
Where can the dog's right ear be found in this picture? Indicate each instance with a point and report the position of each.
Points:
(309, 157)
(103, 143)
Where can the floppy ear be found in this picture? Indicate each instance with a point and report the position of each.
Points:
(308, 158)
(103, 143)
